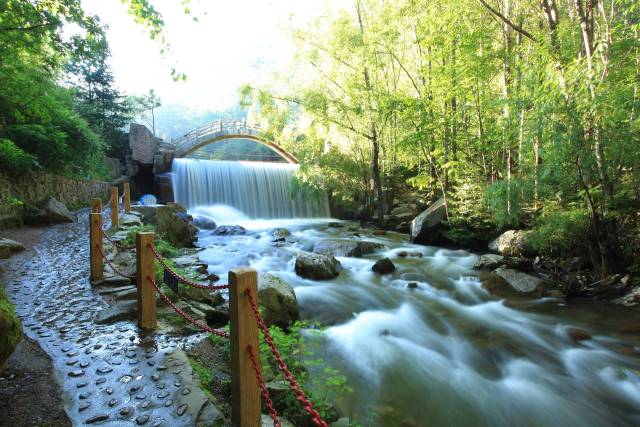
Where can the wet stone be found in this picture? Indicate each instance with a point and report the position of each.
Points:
(101, 381)
(182, 409)
(160, 386)
(134, 388)
(145, 404)
(84, 364)
(82, 384)
(141, 396)
(109, 390)
(76, 373)
(126, 411)
(158, 422)
(162, 368)
(142, 419)
(168, 402)
(83, 406)
(155, 377)
(84, 396)
(186, 391)
(71, 362)
(104, 370)
(112, 403)
(97, 418)
(163, 394)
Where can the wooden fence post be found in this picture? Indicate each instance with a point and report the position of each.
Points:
(145, 263)
(114, 207)
(245, 391)
(95, 241)
(127, 198)
(96, 205)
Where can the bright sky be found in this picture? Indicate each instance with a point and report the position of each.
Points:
(234, 42)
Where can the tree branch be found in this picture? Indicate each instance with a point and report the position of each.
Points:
(509, 23)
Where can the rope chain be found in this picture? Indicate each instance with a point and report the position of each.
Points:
(166, 299)
(114, 243)
(184, 280)
(300, 396)
(263, 386)
(115, 270)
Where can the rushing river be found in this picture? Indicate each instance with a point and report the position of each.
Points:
(446, 353)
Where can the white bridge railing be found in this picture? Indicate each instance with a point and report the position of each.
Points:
(214, 127)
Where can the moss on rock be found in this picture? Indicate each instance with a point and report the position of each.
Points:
(10, 328)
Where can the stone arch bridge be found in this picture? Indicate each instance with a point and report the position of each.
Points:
(151, 157)
(221, 131)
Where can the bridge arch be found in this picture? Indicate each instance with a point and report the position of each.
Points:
(220, 131)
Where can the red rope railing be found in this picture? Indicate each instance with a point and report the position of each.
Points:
(116, 244)
(201, 326)
(115, 270)
(300, 396)
(179, 278)
(263, 386)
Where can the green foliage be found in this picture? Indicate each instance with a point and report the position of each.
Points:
(297, 357)
(560, 231)
(10, 327)
(13, 158)
(445, 90)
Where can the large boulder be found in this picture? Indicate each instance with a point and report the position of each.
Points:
(53, 212)
(203, 222)
(8, 247)
(317, 266)
(383, 266)
(507, 282)
(230, 230)
(278, 299)
(10, 329)
(512, 243)
(349, 248)
(489, 262)
(425, 228)
(280, 233)
(148, 212)
(176, 226)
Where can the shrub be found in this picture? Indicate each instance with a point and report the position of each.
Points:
(10, 328)
(13, 159)
(560, 231)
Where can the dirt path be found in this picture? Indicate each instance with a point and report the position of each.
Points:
(29, 392)
(112, 375)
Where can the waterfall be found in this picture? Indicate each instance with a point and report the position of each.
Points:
(257, 189)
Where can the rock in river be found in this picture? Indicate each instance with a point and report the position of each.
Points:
(506, 282)
(203, 222)
(317, 266)
(383, 266)
(489, 262)
(350, 248)
(425, 228)
(279, 301)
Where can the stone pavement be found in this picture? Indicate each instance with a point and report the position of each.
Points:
(111, 375)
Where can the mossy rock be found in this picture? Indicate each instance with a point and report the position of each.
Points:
(10, 329)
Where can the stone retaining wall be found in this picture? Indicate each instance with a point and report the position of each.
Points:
(34, 187)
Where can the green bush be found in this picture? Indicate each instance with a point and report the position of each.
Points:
(292, 347)
(10, 328)
(560, 232)
(13, 159)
